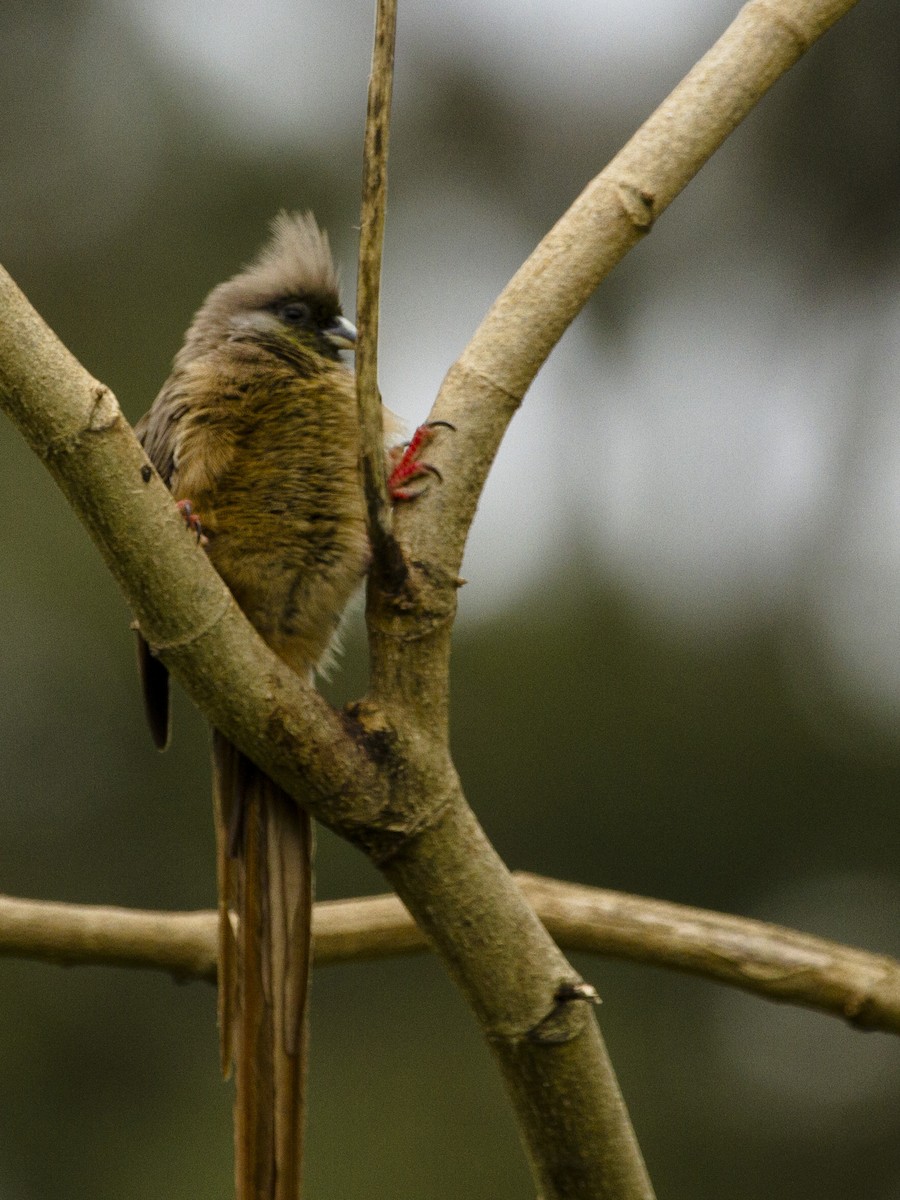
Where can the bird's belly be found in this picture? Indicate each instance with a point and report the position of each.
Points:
(292, 575)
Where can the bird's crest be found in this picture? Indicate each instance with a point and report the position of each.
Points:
(295, 261)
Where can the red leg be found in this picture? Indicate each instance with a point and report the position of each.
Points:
(192, 520)
(406, 466)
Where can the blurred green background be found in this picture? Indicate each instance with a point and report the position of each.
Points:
(677, 667)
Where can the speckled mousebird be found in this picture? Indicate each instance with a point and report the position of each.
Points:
(256, 434)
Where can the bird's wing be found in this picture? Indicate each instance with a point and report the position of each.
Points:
(158, 430)
(158, 433)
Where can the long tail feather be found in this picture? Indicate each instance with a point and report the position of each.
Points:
(265, 885)
(155, 687)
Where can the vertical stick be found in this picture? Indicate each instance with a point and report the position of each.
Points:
(387, 557)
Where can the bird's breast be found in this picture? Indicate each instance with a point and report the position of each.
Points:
(283, 509)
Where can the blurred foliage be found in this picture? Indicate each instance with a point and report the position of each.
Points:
(596, 741)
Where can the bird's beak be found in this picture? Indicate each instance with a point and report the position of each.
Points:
(341, 333)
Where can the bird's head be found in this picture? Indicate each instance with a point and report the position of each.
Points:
(288, 296)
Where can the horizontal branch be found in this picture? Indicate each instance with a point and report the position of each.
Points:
(182, 943)
(768, 960)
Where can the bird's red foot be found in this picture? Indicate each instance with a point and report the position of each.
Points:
(192, 521)
(406, 466)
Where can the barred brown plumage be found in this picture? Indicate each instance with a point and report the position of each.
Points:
(256, 433)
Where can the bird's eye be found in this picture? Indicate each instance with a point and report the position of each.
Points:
(295, 313)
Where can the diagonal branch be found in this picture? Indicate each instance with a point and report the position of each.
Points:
(365, 776)
(617, 209)
(75, 426)
(766, 960)
(573, 1118)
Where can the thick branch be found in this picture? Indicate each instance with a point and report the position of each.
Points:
(410, 816)
(485, 386)
(184, 610)
(767, 960)
(566, 1096)
(532, 1007)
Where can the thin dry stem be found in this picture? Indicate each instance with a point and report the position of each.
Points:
(368, 290)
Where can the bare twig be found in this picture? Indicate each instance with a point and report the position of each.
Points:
(767, 960)
(181, 943)
(368, 288)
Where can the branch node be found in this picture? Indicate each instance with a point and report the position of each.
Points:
(565, 1022)
(192, 636)
(104, 414)
(427, 590)
(775, 16)
(105, 411)
(637, 203)
(861, 1006)
(366, 724)
(393, 838)
(385, 837)
(567, 992)
(464, 369)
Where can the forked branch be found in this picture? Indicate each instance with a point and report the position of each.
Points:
(410, 815)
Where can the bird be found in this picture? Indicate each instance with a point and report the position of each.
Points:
(257, 436)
